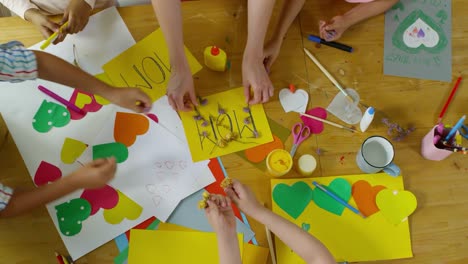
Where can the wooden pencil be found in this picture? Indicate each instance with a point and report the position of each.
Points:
(329, 76)
(328, 122)
(270, 244)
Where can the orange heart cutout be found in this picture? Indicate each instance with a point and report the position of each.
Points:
(259, 153)
(82, 100)
(364, 195)
(128, 126)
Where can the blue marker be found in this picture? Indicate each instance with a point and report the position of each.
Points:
(333, 44)
(338, 199)
(455, 128)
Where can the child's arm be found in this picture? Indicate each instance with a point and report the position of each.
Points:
(288, 13)
(54, 69)
(254, 74)
(221, 217)
(363, 11)
(94, 175)
(305, 245)
(180, 85)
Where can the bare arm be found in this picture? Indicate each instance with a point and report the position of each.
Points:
(289, 12)
(228, 249)
(55, 69)
(306, 246)
(259, 13)
(364, 11)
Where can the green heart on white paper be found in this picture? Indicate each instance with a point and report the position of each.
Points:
(417, 32)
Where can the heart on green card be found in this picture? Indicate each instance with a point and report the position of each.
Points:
(117, 150)
(339, 187)
(71, 214)
(292, 199)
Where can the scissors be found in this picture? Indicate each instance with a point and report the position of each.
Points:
(300, 132)
(464, 131)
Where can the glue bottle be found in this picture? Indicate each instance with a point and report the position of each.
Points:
(215, 58)
(367, 118)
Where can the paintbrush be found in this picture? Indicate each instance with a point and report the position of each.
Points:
(328, 122)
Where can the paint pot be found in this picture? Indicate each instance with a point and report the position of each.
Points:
(306, 165)
(429, 150)
(376, 154)
(278, 162)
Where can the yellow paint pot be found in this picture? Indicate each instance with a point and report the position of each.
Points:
(279, 162)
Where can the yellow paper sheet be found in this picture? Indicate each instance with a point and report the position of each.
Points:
(349, 237)
(155, 246)
(255, 254)
(146, 65)
(232, 102)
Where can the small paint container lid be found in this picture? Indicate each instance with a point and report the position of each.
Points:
(278, 162)
(306, 165)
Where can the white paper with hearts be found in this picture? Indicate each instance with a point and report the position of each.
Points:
(296, 101)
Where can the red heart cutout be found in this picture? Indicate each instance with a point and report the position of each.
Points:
(94, 106)
(105, 197)
(153, 117)
(364, 195)
(316, 127)
(46, 173)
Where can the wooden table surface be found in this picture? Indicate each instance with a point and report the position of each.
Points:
(439, 227)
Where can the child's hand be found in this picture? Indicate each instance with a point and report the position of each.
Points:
(77, 14)
(255, 76)
(220, 215)
(333, 30)
(130, 98)
(271, 52)
(181, 91)
(243, 197)
(46, 26)
(94, 174)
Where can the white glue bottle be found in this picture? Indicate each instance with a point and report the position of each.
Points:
(367, 118)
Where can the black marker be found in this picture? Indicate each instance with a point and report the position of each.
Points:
(331, 43)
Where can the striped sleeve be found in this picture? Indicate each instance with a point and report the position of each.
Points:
(17, 63)
(5, 195)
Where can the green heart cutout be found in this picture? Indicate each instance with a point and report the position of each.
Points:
(50, 115)
(71, 214)
(115, 149)
(292, 199)
(397, 38)
(339, 187)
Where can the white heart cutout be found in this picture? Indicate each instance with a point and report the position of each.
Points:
(296, 101)
(420, 33)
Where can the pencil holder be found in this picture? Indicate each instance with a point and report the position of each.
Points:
(430, 151)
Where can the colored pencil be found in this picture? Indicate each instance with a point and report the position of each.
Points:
(452, 93)
(328, 122)
(59, 258)
(329, 76)
(65, 260)
(338, 199)
(60, 99)
(455, 128)
(53, 37)
(270, 245)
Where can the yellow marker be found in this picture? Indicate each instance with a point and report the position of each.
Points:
(215, 58)
(279, 162)
(53, 37)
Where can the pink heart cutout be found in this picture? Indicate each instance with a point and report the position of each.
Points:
(46, 173)
(153, 117)
(316, 127)
(106, 197)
